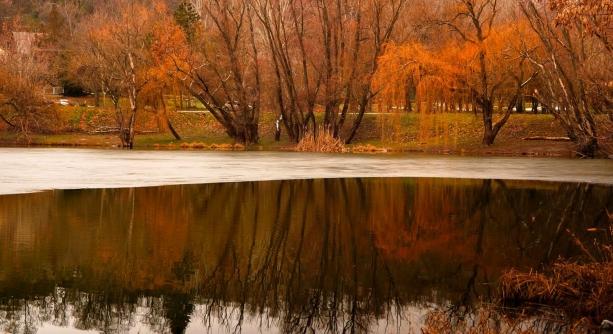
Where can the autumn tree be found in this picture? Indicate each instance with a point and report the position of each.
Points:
(295, 84)
(433, 74)
(475, 24)
(187, 18)
(595, 16)
(574, 58)
(323, 56)
(167, 38)
(115, 56)
(23, 77)
(220, 67)
(481, 62)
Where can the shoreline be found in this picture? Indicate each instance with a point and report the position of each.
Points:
(540, 150)
(438, 134)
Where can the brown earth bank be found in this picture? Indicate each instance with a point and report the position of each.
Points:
(443, 133)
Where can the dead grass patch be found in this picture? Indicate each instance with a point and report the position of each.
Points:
(579, 290)
(489, 320)
(322, 142)
(368, 148)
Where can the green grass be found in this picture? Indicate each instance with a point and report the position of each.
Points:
(437, 133)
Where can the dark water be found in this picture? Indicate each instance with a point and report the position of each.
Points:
(281, 256)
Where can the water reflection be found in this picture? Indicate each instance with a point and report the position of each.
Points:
(339, 255)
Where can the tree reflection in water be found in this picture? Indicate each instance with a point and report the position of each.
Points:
(338, 255)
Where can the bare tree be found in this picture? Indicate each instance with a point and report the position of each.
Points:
(382, 18)
(115, 52)
(323, 55)
(222, 67)
(296, 81)
(23, 77)
(576, 74)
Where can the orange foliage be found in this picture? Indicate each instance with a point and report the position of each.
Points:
(432, 73)
(428, 226)
(441, 75)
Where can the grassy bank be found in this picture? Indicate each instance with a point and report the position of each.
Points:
(451, 133)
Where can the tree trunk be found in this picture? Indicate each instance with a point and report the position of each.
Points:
(278, 128)
(407, 97)
(520, 104)
(488, 131)
(124, 133)
(488, 136)
(587, 146)
(491, 130)
(535, 105)
(133, 98)
(166, 120)
(247, 134)
(172, 129)
(362, 109)
(131, 125)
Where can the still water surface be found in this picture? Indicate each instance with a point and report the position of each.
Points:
(328, 255)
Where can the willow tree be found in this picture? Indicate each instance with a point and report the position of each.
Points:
(477, 27)
(489, 66)
(432, 73)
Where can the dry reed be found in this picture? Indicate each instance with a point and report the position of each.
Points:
(579, 290)
(570, 297)
(322, 142)
(489, 320)
(368, 148)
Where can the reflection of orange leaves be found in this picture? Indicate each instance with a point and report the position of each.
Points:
(410, 230)
(105, 253)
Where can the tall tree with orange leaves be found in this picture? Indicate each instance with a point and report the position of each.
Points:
(486, 64)
(474, 22)
(114, 52)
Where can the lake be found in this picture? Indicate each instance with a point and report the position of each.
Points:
(344, 254)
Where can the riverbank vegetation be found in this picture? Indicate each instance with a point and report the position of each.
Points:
(443, 133)
(310, 69)
(571, 295)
